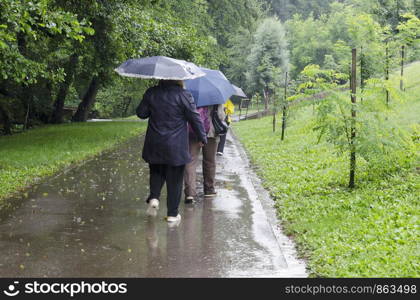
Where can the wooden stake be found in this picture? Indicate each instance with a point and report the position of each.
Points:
(353, 119)
(361, 68)
(387, 71)
(283, 124)
(402, 68)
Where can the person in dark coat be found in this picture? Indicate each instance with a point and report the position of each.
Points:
(169, 108)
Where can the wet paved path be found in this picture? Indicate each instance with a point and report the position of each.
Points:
(91, 222)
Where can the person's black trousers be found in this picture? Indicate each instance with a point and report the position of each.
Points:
(174, 178)
(222, 142)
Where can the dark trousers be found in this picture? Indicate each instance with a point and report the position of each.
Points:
(222, 142)
(173, 176)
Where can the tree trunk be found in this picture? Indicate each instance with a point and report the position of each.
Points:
(127, 105)
(274, 119)
(266, 99)
(88, 100)
(7, 124)
(402, 68)
(70, 68)
(258, 105)
(353, 121)
(387, 72)
(25, 125)
(283, 122)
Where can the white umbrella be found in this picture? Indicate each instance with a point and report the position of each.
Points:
(159, 67)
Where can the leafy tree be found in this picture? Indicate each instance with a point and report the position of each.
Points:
(26, 22)
(230, 15)
(127, 30)
(408, 34)
(416, 6)
(234, 24)
(157, 30)
(377, 137)
(330, 38)
(268, 59)
(121, 98)
(389, 12)
(239, 49)
(285, 9)
(309, 41)
(30, 33)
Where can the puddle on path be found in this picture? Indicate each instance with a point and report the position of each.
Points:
(91, 222)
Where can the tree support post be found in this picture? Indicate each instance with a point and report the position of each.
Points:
(283, 123)
(274, 113)
(402, 68)
(362, 77)
(258, 106)
(387, 71)
(353, 119)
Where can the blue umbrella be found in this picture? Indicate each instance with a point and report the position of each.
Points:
(239, 92)
(211, 89)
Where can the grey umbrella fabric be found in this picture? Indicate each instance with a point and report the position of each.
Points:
(159, 67)
(239, 92)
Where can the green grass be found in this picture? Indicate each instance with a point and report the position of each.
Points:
(37, 153)
(410, 111)
(369, 232)
(130, 118)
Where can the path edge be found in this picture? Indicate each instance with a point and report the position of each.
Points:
(285, 243)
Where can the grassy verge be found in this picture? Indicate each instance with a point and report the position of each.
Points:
(369, 232)
(29, 156)
(130, 118)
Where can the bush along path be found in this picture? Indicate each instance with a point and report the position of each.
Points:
(371, 231)
(92, 221)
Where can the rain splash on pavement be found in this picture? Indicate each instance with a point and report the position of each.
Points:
(91, 221)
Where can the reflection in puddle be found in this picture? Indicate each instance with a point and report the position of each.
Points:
(91, 222)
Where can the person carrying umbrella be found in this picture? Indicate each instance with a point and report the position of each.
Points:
(209, 92)
(229, 108)
(169, 107)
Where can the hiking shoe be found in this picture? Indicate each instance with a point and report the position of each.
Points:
(219, 153)
(171, 219)
(153, 207)
(154, 203)
(189, 199)
(210, 194)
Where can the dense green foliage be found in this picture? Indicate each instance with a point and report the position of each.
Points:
(29, 156)
(57, 53)
(369, 232)
(327, 41)
(285, 9)
(268, 59)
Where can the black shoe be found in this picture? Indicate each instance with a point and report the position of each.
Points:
(189, 199)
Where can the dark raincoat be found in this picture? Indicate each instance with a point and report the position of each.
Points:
(169, 107)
